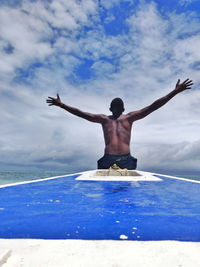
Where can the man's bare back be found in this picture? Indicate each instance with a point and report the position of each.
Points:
(117, 135)
(117, 127)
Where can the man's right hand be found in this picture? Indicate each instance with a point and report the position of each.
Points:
(54, 101)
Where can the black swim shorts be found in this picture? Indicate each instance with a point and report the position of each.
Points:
(123, 161)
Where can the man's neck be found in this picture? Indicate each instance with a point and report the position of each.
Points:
(115, 116)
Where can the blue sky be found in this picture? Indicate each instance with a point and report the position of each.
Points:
(90, 52)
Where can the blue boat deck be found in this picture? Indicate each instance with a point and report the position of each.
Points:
(64, 208)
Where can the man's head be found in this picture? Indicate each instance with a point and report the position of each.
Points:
(117, 107)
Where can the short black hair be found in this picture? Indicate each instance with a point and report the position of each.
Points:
(117, 102)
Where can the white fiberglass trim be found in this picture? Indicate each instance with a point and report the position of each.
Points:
(38, 180)
(142, 176)
(177, 178)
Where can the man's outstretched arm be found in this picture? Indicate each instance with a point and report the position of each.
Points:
(98, 118)
(140, 114)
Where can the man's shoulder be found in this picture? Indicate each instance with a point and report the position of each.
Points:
(104, 116)
(124, 116)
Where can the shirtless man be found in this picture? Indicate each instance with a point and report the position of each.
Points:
(117, 127)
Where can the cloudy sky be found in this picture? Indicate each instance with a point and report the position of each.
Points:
(91, 51)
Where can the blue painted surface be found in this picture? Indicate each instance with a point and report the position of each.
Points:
(68, 209)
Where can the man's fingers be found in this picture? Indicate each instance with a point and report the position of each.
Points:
(178, 81)
(49, 101)
(188, 87)
(50, 105)
(186, 80)
(51, 97)
(58, 96)
(189, 82)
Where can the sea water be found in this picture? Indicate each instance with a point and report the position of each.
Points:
(16, 176)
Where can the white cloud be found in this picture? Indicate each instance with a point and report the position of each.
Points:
(179, 157)
(141, 66)
(187, 2)
(111, 3)
(29, 28)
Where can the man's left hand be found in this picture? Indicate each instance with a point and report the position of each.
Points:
(187, 84)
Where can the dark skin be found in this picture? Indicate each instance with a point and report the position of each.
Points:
(117, 127)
